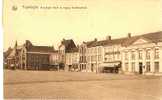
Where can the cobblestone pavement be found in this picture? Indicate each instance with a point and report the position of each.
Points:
(20, 84)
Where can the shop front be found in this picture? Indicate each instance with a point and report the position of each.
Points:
(110, 67)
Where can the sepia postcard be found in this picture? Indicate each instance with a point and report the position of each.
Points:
(82, 49)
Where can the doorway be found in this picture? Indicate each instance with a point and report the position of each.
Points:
(92, 67)
(140, 68)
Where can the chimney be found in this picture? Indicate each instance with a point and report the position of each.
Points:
(108, 37)
(129, 35)
(63, 39)
(95, 39)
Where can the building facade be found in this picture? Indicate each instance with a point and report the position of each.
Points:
(69, 55)
(130, 55)
(112, 57)
(35, 57)
(13, 57)
(82, 57)
(54, 58)
(30, 57)
(104, 55)
(72, 61)
(142, 54)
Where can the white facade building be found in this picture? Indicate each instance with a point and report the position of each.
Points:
(72, 61)
(143, 54)
(133, 54)
(68, 54)
(94, 58)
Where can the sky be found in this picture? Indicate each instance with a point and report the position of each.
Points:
(99, 19)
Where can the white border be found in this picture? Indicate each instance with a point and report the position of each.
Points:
(1, 52)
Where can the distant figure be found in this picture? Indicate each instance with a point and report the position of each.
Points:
(143, 69)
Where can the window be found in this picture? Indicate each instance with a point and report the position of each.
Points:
(133, 66)
(118, 56)
(92, 58)
(148, 54)
(147, 66)
(109, 57)
(156, 66)
(80, 58)
(88, 58)
(99, 50)
(105, 59)
(133, 55)
(99, 57)
(95, 58)
(156, 53)
(140, 54)
(126, 55)
(84, 58)
(126, 66)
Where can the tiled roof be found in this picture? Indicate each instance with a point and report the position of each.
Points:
(129, 41)
(72, 50)
(153, 37)
(69, 45)
(7, 53)
(105, 42)
(32, 48)
(89, 43)
(12, 54)
(41, 49)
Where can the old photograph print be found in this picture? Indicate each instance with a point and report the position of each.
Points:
(82, 49)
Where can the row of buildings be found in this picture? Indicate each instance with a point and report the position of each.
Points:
(132, 54)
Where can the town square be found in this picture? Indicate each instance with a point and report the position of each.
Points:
(80, 86)
(82, 50)
(127, 68)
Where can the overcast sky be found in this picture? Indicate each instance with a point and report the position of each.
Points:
(101, 18)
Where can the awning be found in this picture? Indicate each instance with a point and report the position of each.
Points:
(113, 64)
(55, 64)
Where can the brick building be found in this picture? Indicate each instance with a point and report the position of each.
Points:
(35, 57)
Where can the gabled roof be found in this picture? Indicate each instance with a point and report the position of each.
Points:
(129, 41)
(6, 53)
(69, 46)
(154, 37)
(12, 54)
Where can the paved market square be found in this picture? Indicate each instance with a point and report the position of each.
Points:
(21, 84)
